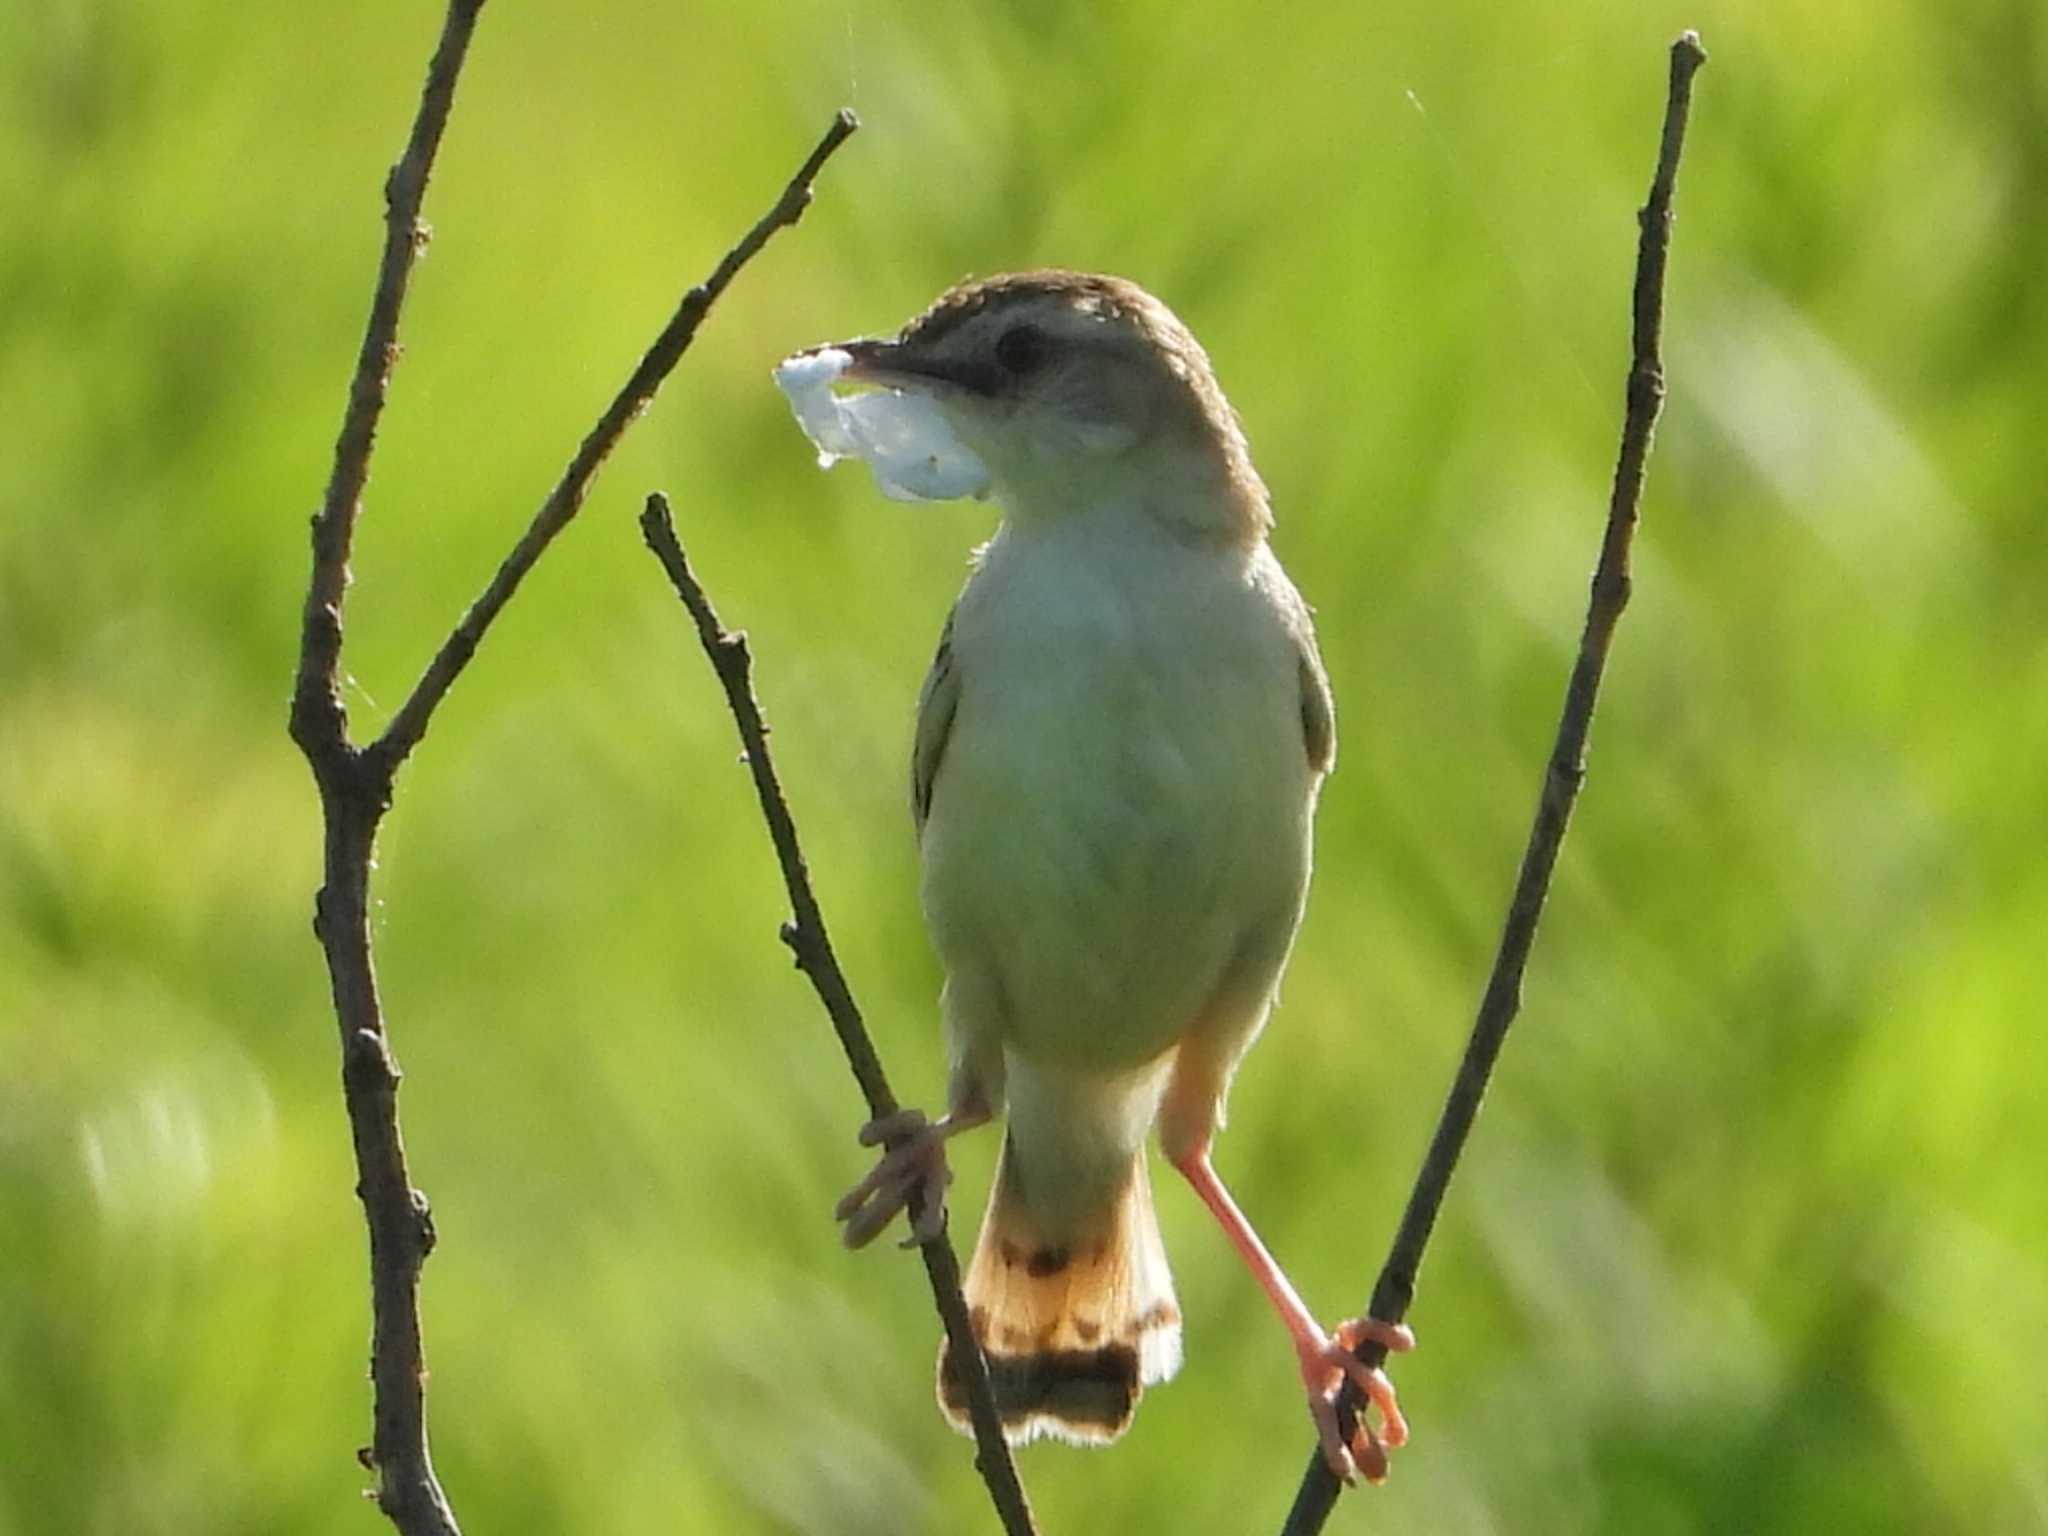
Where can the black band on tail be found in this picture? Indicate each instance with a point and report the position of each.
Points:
(1084, 1394)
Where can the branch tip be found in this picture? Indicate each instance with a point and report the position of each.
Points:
(409, 726)
(1564, 773)
(811, 948)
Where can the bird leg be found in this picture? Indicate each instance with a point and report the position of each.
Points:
(911, 1172)
(1326, 1359)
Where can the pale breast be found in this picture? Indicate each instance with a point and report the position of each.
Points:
(1125, 791)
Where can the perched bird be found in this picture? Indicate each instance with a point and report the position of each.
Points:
(1117, 758)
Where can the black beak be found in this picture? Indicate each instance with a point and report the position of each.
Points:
(899, 364)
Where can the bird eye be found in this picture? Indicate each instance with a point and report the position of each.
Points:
(1021, 348)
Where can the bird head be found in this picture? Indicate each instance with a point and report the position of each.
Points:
(1078, 391)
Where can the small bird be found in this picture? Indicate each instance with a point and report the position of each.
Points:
(1118, 752)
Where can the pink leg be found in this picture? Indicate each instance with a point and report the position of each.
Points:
(912, 1172)
(1325, 1360)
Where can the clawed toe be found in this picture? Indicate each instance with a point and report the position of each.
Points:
(903, 1165)
(905, 1122)
(928, 1222)
(1325, 1370)
(1395, 1338)
(915, 1164)
(1369, 1454)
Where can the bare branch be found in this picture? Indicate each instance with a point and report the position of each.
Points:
(355, 784)
(411, 721)
(1395, 1289)
(319, 719)
(353, 798)
(808, 941)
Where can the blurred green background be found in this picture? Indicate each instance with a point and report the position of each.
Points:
(1752, 1235)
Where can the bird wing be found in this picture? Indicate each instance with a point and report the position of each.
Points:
(936, 704)
(1318, 709)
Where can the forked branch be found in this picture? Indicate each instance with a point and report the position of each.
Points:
(1394, 1291)
(319, 720)
(352, 802)
(355, 783)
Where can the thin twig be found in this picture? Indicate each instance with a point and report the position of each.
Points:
(1395, 1289)
(413, 717)
(319, 719)
(806, 937)
(355, 784)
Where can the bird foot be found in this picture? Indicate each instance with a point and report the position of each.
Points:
(911, 1172)
(1327, 1362)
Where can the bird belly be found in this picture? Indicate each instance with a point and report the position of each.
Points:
(1122, 801)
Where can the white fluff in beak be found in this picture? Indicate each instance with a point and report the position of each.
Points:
(903, 438)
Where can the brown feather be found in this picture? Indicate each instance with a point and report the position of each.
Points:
(1074, 1331)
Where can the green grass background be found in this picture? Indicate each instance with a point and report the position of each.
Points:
(1752, 1234)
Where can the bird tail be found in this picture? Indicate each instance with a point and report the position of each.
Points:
(1074, 1330)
